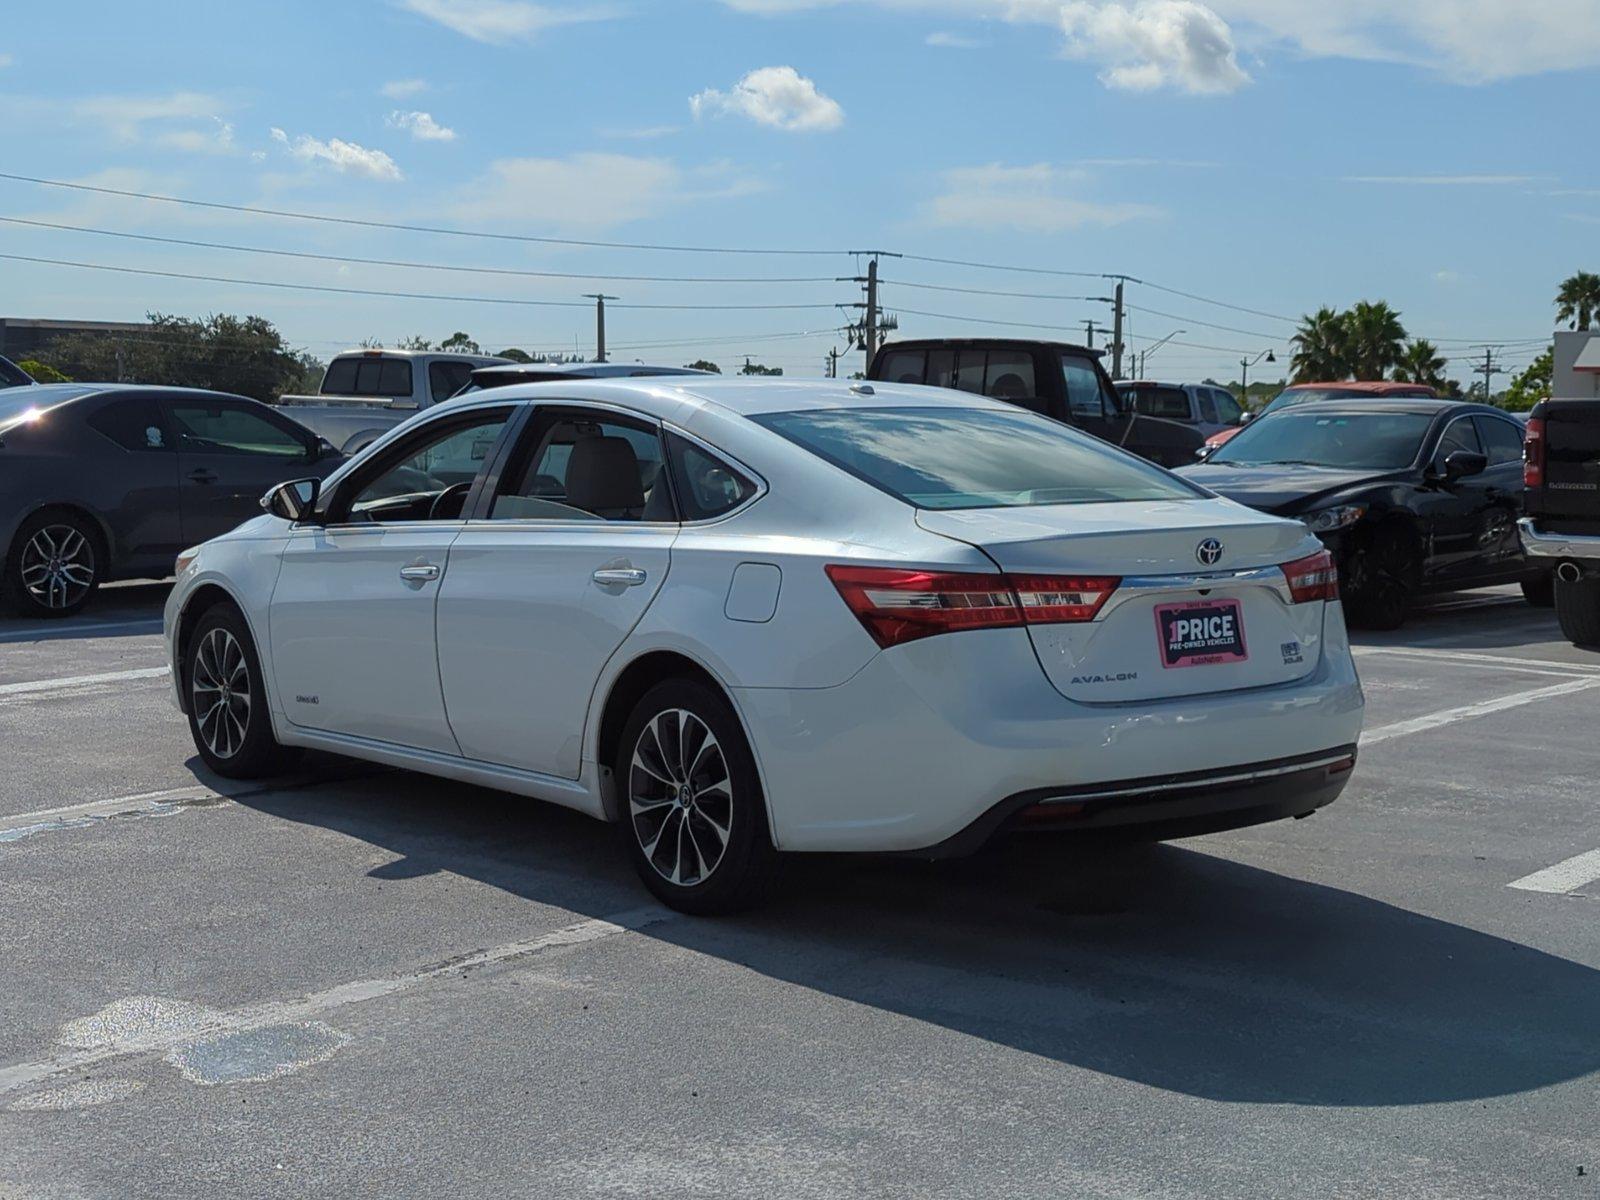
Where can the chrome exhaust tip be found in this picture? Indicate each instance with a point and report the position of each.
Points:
(1569, 572)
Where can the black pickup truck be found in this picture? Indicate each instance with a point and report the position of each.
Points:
(1562, 482)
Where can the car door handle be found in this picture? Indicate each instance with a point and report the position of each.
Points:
(419, 572)
(619, 577)
(201, 475)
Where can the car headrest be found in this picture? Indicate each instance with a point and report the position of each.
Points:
(1009, 387)
(603, 474)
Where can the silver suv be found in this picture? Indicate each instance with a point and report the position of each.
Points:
(1209, 408)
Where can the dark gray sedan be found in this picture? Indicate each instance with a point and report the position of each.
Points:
(109, 481)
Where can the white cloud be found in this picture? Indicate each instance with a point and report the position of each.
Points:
(1465, 41)
(216, 140)
(1442, 180)
(953, 41)
(421, 126)
(1154, 44)
(779, 97)
(643, 134)
(342, 156)
(403, 89)
(591, 191)
(124, 117)
(1032, 199)
(502, 20)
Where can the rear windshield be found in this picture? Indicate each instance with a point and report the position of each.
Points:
(1172, 403)
(1383, 441)
(367, 375)
(974, 458)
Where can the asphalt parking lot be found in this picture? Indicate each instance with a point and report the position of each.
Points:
(363, 982)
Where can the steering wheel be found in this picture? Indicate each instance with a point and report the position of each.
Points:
(455, 489)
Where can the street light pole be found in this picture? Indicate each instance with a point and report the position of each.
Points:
(1244, 374)
(1144, 355)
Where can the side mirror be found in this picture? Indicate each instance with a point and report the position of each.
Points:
(1204, 452)
(322, 448)
(293, 501)
(1460, 464)
(1246, 417)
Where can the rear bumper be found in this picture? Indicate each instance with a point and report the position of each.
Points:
(938, 738)
(1557, 545)
(1181, 805)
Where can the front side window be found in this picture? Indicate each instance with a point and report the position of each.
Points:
(1458, 435)
(135, 423)
(576, 467)
(1085, 396)
(707, 486)
(1228, 410)
(951, 458)
(213, 427)
(447, 378)
(1208, 405)
(1502, 440)
(1381, 441)
(427, 477)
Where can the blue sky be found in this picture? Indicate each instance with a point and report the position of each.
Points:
(1272, 155)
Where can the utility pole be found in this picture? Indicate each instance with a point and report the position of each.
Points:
(599, 323)
(1488, 371)
(1089, 325)
(1116, 334)
(872, 320)
(833, 363)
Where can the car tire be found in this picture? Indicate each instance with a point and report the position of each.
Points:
(693, 817)
(54, 565)
(225, 695)
(1578, 610)
(1380, 579)
(1540, 591)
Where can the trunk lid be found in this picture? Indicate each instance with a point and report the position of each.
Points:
(1176, 625)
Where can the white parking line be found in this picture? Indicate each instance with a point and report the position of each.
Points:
(1482, 708)
(1472, 658)
(170, 1037)
(34, 687)
(76, 816)
(58, 632)
(1565, 876)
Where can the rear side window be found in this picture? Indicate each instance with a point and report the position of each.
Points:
(134, 423)
(1009, 376)
(1502, 441)
(445, 379)
(901, 366)
(707, 486)
(574, 467)
(951, 458)
(1172, 403)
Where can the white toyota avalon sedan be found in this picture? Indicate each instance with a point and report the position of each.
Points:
(739, 619)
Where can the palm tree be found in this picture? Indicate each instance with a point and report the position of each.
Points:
(1579, 299)
(1420, 362)
(1374, 337)
(1319, 353)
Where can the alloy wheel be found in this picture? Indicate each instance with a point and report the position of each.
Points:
(220, 693)
(57, 566)
(680, 797)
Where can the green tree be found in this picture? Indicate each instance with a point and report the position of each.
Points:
(415, 342)
(460, 343)
(1532, 386)
(702, 364)
(43, 372)
(1421, 362)
(1578, 301)
(516, 355)
(755, 368)
(224, 353)
(1374, 338)
(1319, 347)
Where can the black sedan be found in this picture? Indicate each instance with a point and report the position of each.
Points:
(1411, 495)
(111, 481)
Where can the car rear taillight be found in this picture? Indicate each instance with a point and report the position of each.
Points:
(1312, 578)
(898, 605)
(1533, 454)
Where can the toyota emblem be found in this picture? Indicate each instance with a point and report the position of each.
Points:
(1209, 552)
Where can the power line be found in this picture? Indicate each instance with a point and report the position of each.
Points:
(939, 287)
(405, 228)
(418, 266)
(345, 291)
(1156, 312)
(983, 266)
(1254, 312)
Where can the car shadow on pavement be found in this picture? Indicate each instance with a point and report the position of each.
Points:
(118, 610)
(1166, 965)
